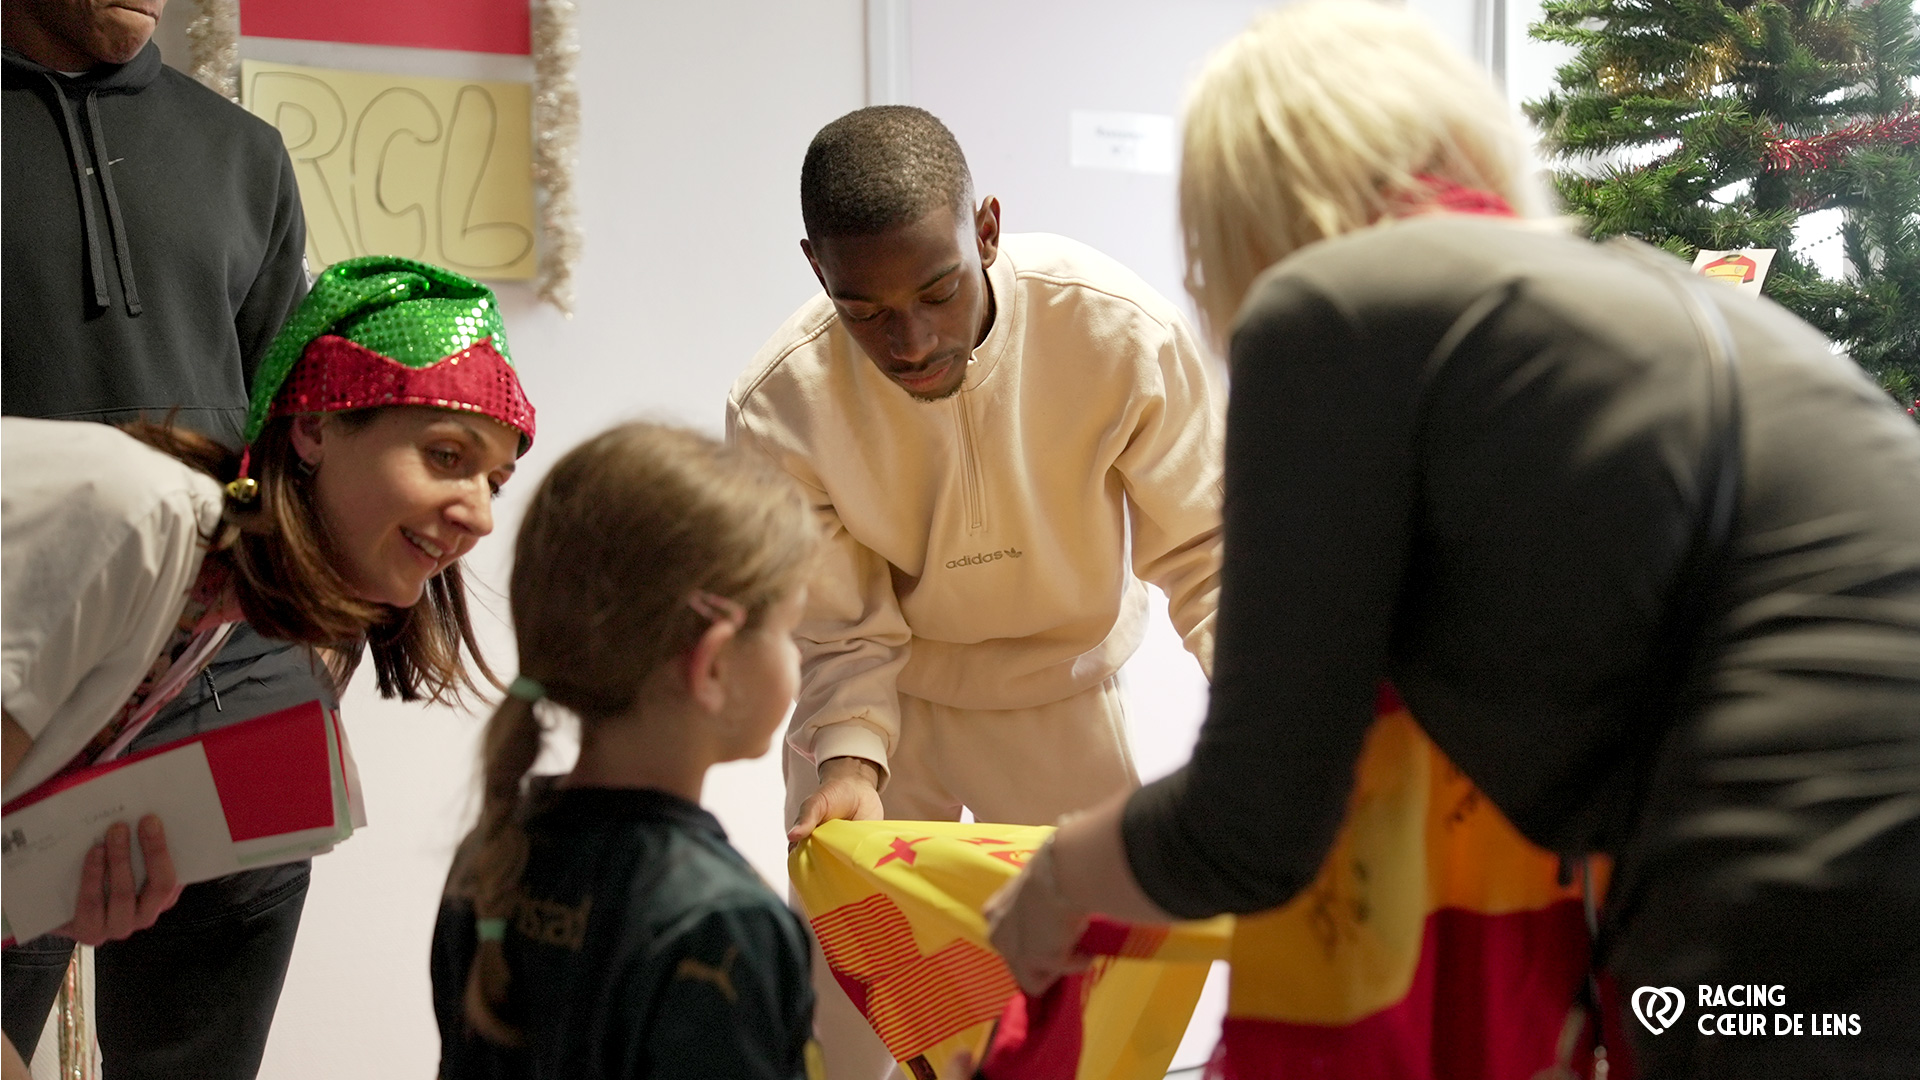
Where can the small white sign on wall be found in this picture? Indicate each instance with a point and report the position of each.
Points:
(1127, 142)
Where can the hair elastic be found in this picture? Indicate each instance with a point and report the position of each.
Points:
(490, 929)
(526, 689)
(717, 608)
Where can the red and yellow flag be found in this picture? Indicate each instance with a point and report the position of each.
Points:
(896, 906)
(1437, 943)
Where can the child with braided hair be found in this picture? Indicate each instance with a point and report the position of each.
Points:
(598, 924)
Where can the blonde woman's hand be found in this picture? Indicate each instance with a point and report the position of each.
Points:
(1036, 927)
(1036, 920)
(849, 789)
(110, 907)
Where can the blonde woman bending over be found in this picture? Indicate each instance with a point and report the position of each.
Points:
(1641, 554)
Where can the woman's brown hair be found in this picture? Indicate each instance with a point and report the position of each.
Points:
(619, 538)
(284, 577)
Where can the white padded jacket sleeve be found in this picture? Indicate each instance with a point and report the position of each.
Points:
(102, 539)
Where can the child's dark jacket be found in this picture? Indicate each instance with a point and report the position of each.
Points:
(645, 947)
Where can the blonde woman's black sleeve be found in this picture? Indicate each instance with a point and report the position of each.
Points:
(1319, 496)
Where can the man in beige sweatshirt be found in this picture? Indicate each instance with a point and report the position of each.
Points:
(1005, 437)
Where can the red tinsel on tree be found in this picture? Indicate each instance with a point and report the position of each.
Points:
(1824, 151)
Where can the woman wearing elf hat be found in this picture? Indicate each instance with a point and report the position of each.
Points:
(1641, 554)
(384, 419)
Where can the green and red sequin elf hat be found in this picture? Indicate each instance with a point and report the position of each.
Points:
(382, 330)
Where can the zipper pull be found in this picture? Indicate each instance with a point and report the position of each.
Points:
(212, 689)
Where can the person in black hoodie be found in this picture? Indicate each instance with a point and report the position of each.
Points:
(153, 245)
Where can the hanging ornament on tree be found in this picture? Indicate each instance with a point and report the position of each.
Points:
(1745, 268)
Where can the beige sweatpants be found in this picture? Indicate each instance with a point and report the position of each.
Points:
(1014, 766)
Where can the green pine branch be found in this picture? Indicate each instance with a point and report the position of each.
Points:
(1661, 124)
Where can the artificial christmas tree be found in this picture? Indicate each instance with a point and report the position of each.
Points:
(1719, 123)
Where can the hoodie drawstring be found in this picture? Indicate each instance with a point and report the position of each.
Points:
(96, 258)
(96, 262)
(123, 258)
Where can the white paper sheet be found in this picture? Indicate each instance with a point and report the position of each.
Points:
(356, 799)
(1126, 142)
(45, 845)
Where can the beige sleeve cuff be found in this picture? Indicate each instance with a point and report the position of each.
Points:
(849, 738)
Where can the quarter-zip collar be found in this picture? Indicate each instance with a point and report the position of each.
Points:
(1009, 311)
(104, 79)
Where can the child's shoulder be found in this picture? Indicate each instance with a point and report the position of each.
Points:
(704, 877)
(670, 857)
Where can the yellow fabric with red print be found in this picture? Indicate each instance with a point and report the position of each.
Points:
(896, 906)
(1436, 943)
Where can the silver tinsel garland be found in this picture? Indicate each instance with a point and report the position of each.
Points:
(556, 133)
(73, 1027)
(214, 35)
